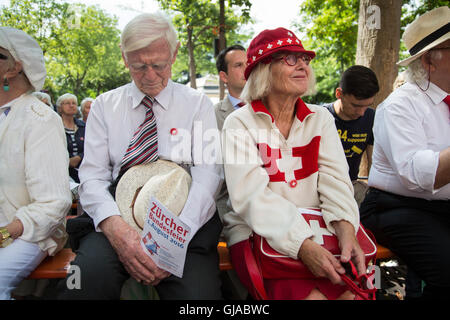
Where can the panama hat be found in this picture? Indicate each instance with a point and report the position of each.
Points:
(270, 41)
(162, 179)
(426, 32)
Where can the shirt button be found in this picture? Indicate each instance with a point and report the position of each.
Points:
(173, 131)
(293, 183)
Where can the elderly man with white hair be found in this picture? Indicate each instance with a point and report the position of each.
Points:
(408, 205)
(111, 252)
(34, 181)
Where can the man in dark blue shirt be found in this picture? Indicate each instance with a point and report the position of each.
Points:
(354, 119)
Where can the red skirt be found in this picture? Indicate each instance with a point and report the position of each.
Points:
(282, 289)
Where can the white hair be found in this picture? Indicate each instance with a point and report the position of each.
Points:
(43, 96)
(416, 72)
(83, 102)
(258, 84)
(145, 29)
(64, 97)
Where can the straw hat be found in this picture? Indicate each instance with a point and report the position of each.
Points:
(162, 179)
(426, 32)
(268, 42)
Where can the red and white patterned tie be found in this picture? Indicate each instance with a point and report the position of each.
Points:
(143, 147)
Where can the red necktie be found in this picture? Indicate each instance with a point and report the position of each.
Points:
(447, 101)
(241, 104)
(143, 147)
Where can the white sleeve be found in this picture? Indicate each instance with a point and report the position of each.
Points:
(207, 170)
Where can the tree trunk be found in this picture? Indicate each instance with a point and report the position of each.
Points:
(378, 46)
(192, 67)
(222, 42)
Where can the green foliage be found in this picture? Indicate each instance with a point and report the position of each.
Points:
(331, 30)
(80, 44)
(201, 19)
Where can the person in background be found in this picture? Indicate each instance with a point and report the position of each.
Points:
(75, 129)
(299, 164)
(44, 97)
(230, 63)
(353, 117)
(86, 107)
(34, 182)
(408, 203)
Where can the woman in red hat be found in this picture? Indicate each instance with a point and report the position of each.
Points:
(280, 155)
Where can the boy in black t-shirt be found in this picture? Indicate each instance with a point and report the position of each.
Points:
(354, 119)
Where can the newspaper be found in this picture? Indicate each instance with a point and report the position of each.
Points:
(165, 238)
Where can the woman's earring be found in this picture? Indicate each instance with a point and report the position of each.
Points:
(5, 84)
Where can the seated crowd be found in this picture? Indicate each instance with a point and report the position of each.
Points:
(241, 169)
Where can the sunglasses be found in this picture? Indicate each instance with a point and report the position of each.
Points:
(3, 57)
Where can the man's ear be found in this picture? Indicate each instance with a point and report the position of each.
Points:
(223, 76)
(338, 93)
(124, 59)
(174, 57)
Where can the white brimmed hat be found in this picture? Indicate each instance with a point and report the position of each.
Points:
(162, 179)
(426, 32)
(26, 50)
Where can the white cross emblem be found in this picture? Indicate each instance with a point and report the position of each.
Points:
(290, 34)
(254, 58)
(297, 41)
(260, 51)
(269, 46)
(279, 42)
(288, 164)
(289, 40)
(319, 232)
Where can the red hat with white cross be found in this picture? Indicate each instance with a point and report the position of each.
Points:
(269, 42)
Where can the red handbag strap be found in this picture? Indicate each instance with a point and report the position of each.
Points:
(361, 285)
(254, 272)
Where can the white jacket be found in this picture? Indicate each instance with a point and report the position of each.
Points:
(34, 178)
(269, 177)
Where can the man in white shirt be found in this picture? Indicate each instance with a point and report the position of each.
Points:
(408, 204)
(110, 254)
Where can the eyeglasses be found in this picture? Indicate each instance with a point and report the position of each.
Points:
(291, 59)
(3, 57)
(142, 67)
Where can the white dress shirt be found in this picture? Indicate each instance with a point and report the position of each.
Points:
(187, 134)
(411, 127)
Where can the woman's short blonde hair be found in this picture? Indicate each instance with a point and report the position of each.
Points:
(145, 29)
(259, 82)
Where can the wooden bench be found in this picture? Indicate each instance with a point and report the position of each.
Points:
(57, 266)
(54, 267)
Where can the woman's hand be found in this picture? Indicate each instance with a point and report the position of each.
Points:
(15, 229)
(74, 161)
(126, 242)
(324, 264)
(321, 262)
(350, 249)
